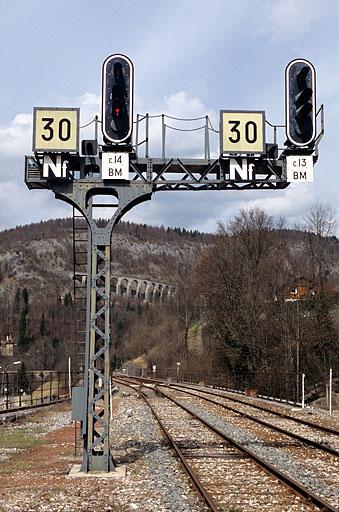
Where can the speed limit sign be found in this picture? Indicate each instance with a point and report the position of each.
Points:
(242, 131)
(56, 129)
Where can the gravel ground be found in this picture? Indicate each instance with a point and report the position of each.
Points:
(35, 479)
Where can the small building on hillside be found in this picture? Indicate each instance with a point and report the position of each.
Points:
(302, 289)
(7, 346)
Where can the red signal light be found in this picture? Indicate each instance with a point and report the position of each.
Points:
(117, 99)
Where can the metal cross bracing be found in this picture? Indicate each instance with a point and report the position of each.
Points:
(98, 449)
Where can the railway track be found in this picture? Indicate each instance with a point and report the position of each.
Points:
(310, 434)
(227, 472)
(255, 406)
(271, 407)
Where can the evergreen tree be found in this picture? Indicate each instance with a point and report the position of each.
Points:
(23, 382)
(22, 339)
(42, 325)
(16, 304)
(25, 296)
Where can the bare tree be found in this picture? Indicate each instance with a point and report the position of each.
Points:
(241, 277)
(319, 228)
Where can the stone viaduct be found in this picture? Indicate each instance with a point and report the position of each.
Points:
(144, 290)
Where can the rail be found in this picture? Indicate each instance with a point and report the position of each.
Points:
(290, 482)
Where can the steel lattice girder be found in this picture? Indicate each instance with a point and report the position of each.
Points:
(172, 174)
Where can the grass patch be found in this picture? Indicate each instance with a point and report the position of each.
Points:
(20, 437)
(10, 466)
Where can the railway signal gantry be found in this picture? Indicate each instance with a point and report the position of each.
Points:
(115, 168)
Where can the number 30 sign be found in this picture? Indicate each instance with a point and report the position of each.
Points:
(242, 131)
(56, 129)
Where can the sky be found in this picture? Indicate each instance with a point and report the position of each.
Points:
(192, 58)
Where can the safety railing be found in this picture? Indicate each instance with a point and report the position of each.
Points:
(23, 389)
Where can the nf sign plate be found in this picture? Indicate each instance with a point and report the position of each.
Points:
(242, 132)
(299, 168)
(56, 129)
(115, 166)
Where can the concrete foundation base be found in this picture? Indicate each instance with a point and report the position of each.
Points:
(118, 472)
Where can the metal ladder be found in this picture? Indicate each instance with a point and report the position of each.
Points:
(80, 269)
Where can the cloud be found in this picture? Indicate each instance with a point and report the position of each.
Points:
(184, 125)
(17, 134)
(203, 210)
(289, 18)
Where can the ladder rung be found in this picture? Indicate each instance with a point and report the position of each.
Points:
(105, 205)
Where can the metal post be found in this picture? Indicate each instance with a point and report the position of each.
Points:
(6, 388)
(42, 388)
(96, 128)
(178, 369)
(207, 141)
(303, 390)
(110, 399)
(163, 128)
(330, 393)
(147, 130)
(69, 378)
(298, 354)
(31, 388)
(137, 135)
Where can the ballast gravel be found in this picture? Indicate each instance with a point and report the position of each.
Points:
(154, 477)
(280, 460)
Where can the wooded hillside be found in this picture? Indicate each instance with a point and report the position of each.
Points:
(251, 301)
